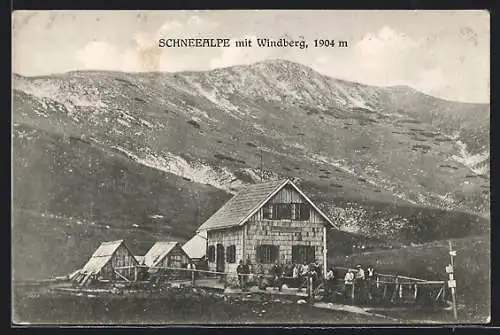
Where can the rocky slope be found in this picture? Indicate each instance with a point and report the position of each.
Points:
(131, 152)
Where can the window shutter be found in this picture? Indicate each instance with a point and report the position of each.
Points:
(211, 253)
(267, 212)
(274, 253)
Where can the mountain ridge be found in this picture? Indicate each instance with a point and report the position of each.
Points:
(277, 61)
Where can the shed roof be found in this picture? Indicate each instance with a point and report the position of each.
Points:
(196, 246)
(158, 251)
(249, 200)
(101, 256)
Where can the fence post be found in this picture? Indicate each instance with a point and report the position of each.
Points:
(193, 281)
(310, 290)
(396, 287)
(353, 289)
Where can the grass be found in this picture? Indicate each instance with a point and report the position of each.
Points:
(428, 261)
(171, 308)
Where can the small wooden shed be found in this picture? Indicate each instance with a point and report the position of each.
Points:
(165, 254)
(107, 263)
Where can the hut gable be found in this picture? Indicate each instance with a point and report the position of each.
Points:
(157, 255)
(109, 255)
(242, 206)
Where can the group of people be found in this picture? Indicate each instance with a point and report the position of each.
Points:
(289, 274)
(358, 283)
(298, 275)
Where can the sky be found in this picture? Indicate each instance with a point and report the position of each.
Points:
(441, 53)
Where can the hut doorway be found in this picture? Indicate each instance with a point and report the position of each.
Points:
(220, 259)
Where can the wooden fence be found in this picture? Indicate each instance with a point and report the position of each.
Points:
(384, 289)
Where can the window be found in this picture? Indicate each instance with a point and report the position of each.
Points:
(267, 212)
(301, 212)
(267, 254)
(298, 211)
(231, 254)
(282, 211)
(303, 254)
(211, 253)
(175, 261)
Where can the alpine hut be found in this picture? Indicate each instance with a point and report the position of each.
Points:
(265, 223)
(111, 261)
(165, 254)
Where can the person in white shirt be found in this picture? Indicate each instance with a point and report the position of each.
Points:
(359, 288)
(348, 281)
(360, 274)
(370, 279)
(329, 284)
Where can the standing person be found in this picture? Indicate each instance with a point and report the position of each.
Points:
(246, 275)
(370, 280)
(191, 266)
(240, 270)
(329, 284)
(360, 283)
(250, 271)
(303, 276)
(260, 277)
(348, 281)
(287, 272)
(276, 273)
(313, 272)
(319, 271)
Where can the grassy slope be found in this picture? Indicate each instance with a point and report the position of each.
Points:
(427, 261)
(96, 196)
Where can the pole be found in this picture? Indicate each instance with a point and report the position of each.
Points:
(261, 167)
(311, 293)
(325, 254)
(453, 293)
(353, 287)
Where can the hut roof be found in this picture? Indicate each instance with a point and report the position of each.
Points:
(247, 202)
(157, 252)
(196, 246)
(101, 256)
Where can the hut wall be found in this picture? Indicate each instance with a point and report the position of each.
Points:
(176, 258)
(226, 237)
(284, 233)
(121, 257)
